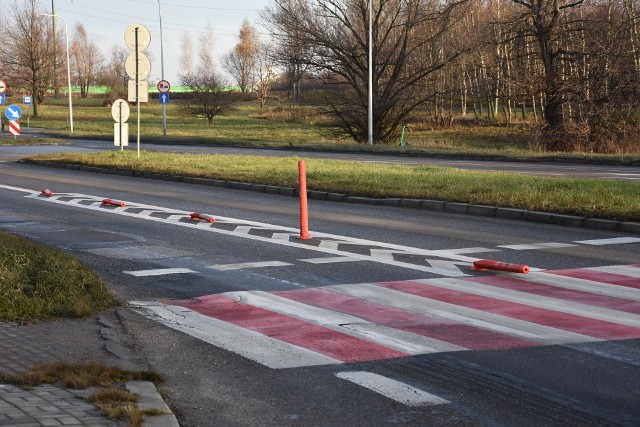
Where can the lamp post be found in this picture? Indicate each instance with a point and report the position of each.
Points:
(56, 90)
(164, 106)
(66, 32)
(370, 100)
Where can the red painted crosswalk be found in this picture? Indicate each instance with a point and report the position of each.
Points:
(364, 322)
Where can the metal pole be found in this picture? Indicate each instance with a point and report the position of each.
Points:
(56, 90)
(66, 32)
(164, 105)
(137, 86)
(370, 103)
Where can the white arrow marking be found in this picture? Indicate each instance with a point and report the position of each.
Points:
(13, 113)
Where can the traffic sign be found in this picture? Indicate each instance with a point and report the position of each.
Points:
(121, 134)
(144, 37)
(164, 98)
(3, 99)
(164, 86)
(27, 100)
(13, 112)
(143, 68)
(143, 91)
(14, 127)
(3, 86)
(120, 110)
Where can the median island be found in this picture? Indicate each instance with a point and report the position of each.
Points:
(593, 198)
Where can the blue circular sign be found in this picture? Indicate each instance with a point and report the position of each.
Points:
(13, 112)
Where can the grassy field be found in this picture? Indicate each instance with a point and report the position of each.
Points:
(284, 125)
(39, 283)
(599, 198)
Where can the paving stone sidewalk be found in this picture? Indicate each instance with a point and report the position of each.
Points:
(21, 347)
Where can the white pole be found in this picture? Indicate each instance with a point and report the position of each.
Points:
(164, 106)
(66, 32)
(370, 103)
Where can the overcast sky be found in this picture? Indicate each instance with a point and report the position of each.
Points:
(106, 21)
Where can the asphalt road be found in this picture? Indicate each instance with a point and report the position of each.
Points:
(557, 169)
(376, 320)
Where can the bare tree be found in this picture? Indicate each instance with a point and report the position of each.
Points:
(113, 75)
(27, 49)
(186, 55)
(545, 21)
(291, 51)
(86, 60)
(211, 96)
(408, 49)
(265, 73)
(241, 61)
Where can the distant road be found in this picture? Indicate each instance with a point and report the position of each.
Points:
(630, 173)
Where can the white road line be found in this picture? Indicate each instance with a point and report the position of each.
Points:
(392, 389)
(228, 267)
(468, 316)
(535, 246)
(625, 270)
(159, 272)
(448, 252)
(282, 236)
(329, 260)
(562, 306)
(345, 323)
(613, 241)
(582, 285)
(384, 254)
(271, 352)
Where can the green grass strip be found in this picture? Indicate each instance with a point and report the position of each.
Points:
(596, 198)
(38, 282)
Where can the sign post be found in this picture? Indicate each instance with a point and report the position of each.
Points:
(27, 101)
(138, 65)
(3, 89)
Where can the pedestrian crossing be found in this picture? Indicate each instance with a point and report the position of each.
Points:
(376, 321)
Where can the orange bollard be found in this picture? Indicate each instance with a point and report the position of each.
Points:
(46, 192)
(113, 202)
(304, 211)
(487, 264)
(197, 216)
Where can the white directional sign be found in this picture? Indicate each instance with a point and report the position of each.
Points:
(13, 112)
(143, 37)
(164, 86)
(143, 91)
(120, 110)
(143, 69)
(3, 86)
(121, 134)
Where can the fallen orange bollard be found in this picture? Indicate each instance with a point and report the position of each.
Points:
(203, 217)
(113, 202)
(46, 192)
(487, 264)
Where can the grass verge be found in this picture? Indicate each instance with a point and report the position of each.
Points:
(596, 198)
(110, 397)
(39, 282)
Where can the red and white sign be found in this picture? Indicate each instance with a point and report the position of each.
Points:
(3, 86)
(164, 86)
(14, 127)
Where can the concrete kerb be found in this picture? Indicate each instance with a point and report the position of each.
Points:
(431, 205)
